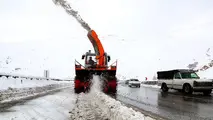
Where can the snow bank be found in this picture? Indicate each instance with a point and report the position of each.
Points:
(150, 82)
(12, 89)
(12, 93)
(10, 99)
(10, 82)
(151, 86)
(98, 106)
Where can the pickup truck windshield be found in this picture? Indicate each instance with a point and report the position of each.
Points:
(189, 75)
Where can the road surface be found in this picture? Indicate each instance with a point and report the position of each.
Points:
(172, 105)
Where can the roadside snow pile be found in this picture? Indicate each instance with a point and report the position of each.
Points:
(151, 86)
(11, 82)
(13, 93)
(150, 82)
(98, 106)
(17, 89)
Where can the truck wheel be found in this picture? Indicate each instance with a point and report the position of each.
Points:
(208, 92)
(76, 91)
(164, 87)
(187, 89)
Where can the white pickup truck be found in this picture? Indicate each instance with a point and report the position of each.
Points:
(184, 80)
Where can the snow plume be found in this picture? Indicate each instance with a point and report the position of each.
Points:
(206, 66)
(193, 65)
(96, 84)
(72, 12)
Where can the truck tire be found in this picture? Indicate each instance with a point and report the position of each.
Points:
(164, 87)
(187, 89)
(77, 91)
(208, 92)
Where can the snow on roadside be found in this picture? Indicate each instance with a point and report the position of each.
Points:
(10, 82)
(151, 86)
(33, 94)
(11, 93)
(12, 89)
(98, 106)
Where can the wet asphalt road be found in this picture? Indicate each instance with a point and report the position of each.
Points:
(172, 105)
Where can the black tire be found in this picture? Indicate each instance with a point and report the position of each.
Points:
(76, 91)
(164, 87)
(187, 89)
(208, 92)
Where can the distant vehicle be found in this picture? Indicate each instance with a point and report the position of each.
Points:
(134, 82)
(127, 82)
(185, 80)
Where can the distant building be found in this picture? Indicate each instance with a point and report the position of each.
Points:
(46, 73)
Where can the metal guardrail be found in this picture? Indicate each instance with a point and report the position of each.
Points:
(30, 77)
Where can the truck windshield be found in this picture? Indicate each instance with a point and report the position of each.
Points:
(188, 75)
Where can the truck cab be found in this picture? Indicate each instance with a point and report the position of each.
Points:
(89, 55)
(185, 80)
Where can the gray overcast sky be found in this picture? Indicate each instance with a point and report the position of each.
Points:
(144, 35)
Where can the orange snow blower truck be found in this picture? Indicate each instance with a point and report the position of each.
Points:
(95, 64)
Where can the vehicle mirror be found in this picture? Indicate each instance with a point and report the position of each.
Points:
(83, 56)
(108, 57)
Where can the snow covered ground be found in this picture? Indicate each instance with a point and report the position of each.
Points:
(98, 106)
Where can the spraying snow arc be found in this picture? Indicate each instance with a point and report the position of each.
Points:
(72, 12)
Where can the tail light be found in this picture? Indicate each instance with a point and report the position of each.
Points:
(112, 84)
(77, 83)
